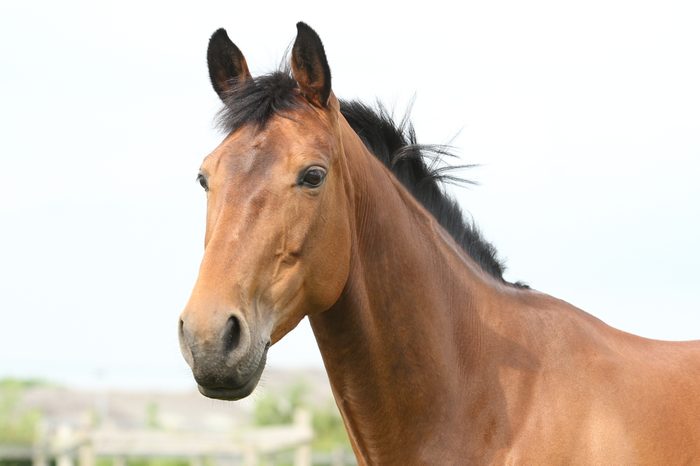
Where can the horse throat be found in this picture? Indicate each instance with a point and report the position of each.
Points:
(406, 329)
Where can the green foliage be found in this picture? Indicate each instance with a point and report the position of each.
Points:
(329, 428)
(22, 384)
(274, 409)
(148, 462)
(278, 408)
(17, 426)
(157, 462)
(15, 463)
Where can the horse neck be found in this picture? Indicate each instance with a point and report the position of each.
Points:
(406, 330)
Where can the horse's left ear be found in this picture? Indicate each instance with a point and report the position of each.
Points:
(310, 67)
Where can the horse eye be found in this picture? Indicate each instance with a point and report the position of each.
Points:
(203, 181)
(313, 177)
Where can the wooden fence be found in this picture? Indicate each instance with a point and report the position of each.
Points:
(71, 447)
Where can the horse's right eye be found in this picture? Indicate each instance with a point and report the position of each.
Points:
(313, 177)
(203, 181)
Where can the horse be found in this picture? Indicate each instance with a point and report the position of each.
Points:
(327, 209)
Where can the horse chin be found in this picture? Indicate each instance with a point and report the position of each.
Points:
(239, 391)
(229, 394)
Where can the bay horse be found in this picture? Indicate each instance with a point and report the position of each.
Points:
(322, 208)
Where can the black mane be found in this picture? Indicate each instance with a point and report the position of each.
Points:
(415, 165)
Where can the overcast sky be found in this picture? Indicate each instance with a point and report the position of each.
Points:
(585, 119)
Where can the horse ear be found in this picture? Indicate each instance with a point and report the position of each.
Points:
(310, 67)
(227, 66)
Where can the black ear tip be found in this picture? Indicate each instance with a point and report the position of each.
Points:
(219, 34)
(303, 28)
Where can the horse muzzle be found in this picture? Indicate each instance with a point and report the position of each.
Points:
(226, 360)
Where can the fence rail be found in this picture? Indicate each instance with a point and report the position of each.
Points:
(15, 452)
(69, 446)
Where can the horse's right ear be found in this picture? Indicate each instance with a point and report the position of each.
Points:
(227, 66)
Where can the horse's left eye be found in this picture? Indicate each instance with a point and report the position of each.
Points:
(203, 181)
(313, 177)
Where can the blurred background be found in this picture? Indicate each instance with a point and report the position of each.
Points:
(584, 119)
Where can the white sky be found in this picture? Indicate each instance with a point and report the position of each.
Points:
(585, 118)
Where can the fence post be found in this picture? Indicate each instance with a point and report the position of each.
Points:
(250, 456)
(86, 451)
(338, 457)
(63, 447)
(302, 455)
(40, 446)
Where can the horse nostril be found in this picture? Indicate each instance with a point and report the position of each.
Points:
(232, 336)
(183, 333)
(185, 343)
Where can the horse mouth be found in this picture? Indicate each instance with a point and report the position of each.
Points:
(238, 391)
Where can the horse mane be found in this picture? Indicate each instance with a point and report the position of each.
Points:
(417, 166)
